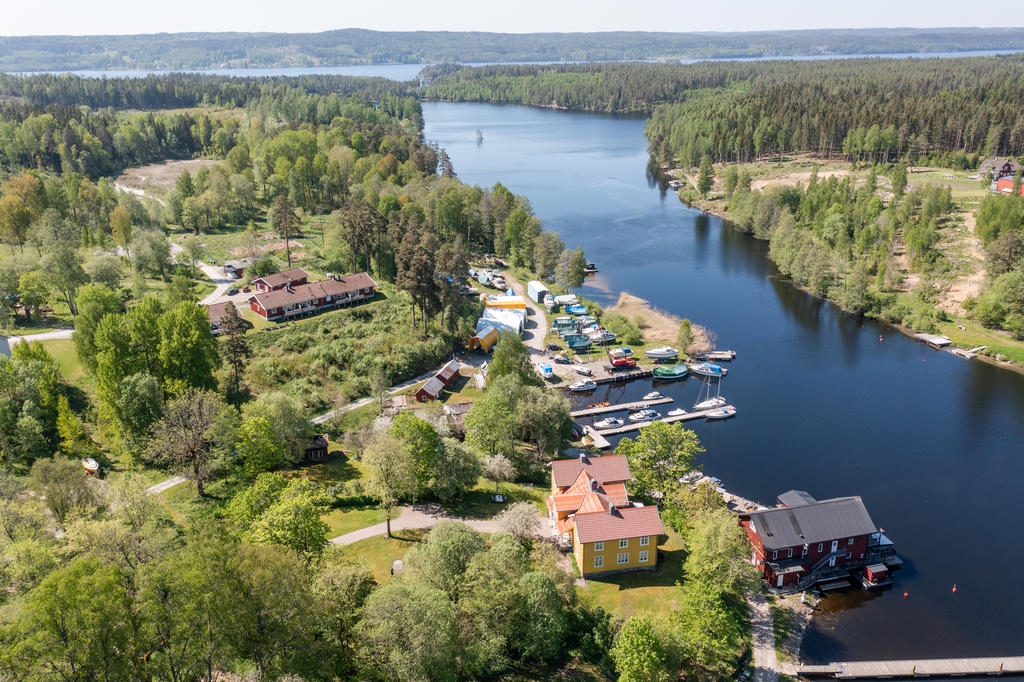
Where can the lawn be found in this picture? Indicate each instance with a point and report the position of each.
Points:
(477, 503)
(641, 592)
(63, 352)
(341, 521)
(258, 323)
(379, 552)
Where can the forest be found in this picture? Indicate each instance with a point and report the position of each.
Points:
(170, 51)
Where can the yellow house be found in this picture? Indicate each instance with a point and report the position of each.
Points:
(607, 533)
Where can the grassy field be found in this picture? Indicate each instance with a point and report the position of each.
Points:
(641, 592)
(341, 521)
(379, 552)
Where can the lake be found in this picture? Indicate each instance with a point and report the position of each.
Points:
(827, 402)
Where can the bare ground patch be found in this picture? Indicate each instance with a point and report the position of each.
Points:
(794, 179)
(156, 179)
(657, 324)
(969, 258)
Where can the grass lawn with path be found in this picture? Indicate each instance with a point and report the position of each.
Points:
(379, 552)
(641, 592)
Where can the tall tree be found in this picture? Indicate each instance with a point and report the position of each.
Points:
(391, 473)
(706, 179)
(188, 351)
(235, 346)
(284, 220)
(660, 456)
(187, 437)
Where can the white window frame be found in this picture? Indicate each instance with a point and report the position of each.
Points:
(599, 546)
(645, 540)
(789, 553)
(775, 554)
(850, 541)
(622, 558)
(644, 556)
(598, 561)
(623, 543)
(821, 547)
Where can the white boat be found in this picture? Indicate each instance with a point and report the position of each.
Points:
(623, 352)
(586, 320)
(717, 401)
(581, 386)
(644, 416)
(661, 353)
(706, 369)
(608, 423)
(653, 395)
(602, 336)
(585, 371)
(722, 413)
(705, 401)
(678, 412)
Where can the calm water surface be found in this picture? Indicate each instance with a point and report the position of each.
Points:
(932, 443)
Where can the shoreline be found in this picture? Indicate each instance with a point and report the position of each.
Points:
(704, 207)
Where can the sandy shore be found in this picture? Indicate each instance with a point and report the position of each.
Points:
(657, 324)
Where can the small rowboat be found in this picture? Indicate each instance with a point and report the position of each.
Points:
(90, 465)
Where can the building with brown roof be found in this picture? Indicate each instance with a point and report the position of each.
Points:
(592, 511)
(215, 312)
(279, 280)
(302, 300)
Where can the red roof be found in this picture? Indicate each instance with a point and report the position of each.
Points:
(279, 279)
(450, 370)
(609, 469)
(305, 293)
(618, 523)
(216, 311)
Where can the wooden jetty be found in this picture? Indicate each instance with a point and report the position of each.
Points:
(718, 355)
(598, 437)
(639, 405)
(912, 669)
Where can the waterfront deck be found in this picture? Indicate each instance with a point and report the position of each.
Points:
(911, 669)
(638, 405)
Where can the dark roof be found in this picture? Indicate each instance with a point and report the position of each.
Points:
(304, 293)
(216, 311)
(450, 369)
(795, 498)
(279, 279)
(607, 469)
(842, 517)
(621, 522)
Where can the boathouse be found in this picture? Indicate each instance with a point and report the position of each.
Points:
(805, 542)
(591, 512)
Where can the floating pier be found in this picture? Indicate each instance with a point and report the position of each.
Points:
(598, 437)
(912, 669)
(716, 355)
(638, 405)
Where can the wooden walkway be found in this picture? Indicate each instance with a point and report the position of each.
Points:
(638, 405)
(600, 442)
(912, 669)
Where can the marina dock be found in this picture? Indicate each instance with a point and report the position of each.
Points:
(912, 669)
(600, 441)
(632, 407)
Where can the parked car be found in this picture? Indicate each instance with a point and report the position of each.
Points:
(232, 292)
(245, 289)
(554, 347)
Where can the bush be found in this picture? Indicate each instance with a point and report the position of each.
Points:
(625, 330)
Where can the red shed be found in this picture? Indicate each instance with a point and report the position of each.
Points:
(437, 383)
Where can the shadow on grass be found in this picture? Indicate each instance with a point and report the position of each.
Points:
(668, 573)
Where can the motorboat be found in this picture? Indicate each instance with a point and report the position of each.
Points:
(585, 371)
(608, 423)
(547, 371)
(661, 353)
(591, 267)
(586, 320)
(644, 416)
(678, 412)
(602, 336)
(722, 413)
(576, 309)
(670, 373)
(654, 395)
(622, 352)
(717, 401)
(582, 386)
(707, 369)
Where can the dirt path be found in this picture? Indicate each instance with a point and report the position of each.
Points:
(416, 516)
(762, 635)
(971, 283)
(536, 327)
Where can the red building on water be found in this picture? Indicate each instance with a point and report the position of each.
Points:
(805, 542)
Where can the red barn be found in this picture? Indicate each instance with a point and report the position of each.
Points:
(302, 300)
(803, 542)
(437, 383)
(279, 280)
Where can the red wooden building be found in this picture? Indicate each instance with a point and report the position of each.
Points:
(301, 300)
(437, 383)
(804, 542)
(279, 280)
(1005, 186)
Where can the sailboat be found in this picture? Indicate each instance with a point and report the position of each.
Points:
(479, 135)
(709, 402)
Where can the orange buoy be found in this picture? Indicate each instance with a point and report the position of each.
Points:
(954, 588)
(906, 595)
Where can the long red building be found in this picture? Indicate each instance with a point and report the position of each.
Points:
(301, 300)
(804, 542)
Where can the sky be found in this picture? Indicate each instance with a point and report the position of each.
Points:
(83, 17)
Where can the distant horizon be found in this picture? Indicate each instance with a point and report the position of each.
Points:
(124, 17)
(522, 33)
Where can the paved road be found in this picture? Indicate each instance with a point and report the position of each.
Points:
(417, 516)
(62, 333)
(536, 327)
(762, 634)
(217, 276)
(164, 485)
